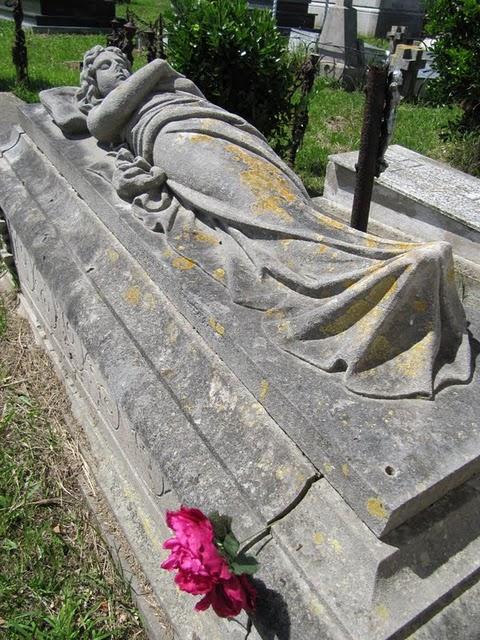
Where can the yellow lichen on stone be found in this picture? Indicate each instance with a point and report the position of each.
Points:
(336, 545)
(199, 137)
(217, 327)
(149, 301)
(380, 349)
(363, 311)
(331, 222)
(267, 183)
(411, 362)
(275, 313)
(198, 236)
(172, 332)
(286, 242)
(317, 608)
(346, 470)
(264, 387)
(282, 472)
(328, 467)
(183, 264)
(284, 326)
(112, 255)
(318, 538)
(382, 612)
(132, 295)
(219, 274)
(376, 509)
(420, 306)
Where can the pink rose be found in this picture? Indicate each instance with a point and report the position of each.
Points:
(194, 555)
(229, 597)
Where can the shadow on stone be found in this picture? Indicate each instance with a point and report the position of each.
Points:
(435, 536)
(475, 351)
(271, 619)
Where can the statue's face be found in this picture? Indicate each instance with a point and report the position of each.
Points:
(110, 70)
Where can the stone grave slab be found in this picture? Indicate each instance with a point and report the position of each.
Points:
(336, 427)
(424, 198)
(365, 510)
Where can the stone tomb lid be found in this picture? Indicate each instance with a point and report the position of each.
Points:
(454, 193)
(389, 459)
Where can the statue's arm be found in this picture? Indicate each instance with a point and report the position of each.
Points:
(106, 121)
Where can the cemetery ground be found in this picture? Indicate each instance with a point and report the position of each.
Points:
(57, 580)
(335, 115)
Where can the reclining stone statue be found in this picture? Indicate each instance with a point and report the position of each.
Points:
(385, 313)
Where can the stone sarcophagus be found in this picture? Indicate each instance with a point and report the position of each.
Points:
(228, 346)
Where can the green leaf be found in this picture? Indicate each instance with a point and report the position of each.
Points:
(231, 545)
(222, 525)
(244, 564)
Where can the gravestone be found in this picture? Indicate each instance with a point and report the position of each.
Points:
(338, 46)
(190, 294)
(376, 17)
(410, 60)
(58, 15)
(396, 35)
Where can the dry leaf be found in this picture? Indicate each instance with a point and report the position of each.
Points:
(103, 606)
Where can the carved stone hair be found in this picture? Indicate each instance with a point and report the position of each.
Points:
(88, 94)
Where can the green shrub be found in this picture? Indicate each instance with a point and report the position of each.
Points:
(456, 25)
(236, 56)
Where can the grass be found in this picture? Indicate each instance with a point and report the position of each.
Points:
(57, 581)
(53, 60)
(381, 43)
(335, 125)
(147, 10)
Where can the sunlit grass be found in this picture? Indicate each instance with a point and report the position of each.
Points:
(147, 10)
(53, 60)
(335, 126)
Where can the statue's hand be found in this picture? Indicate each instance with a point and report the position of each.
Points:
(134, 176)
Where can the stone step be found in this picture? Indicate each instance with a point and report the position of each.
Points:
(416, 195)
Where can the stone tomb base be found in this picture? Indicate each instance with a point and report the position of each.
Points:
(366, 513)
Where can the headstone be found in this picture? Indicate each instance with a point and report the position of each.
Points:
(375, 17)
(229, 346)
(409, 59)
(338, 46)
(58, 15)
(396, 35)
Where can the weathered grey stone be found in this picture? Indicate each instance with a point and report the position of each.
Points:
(338, 45)
(210, 184)
(9, 104)
(423, 198)
(334, 427)
(377, 588)
(185, 400)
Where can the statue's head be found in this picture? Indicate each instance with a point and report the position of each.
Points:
(104, 68)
